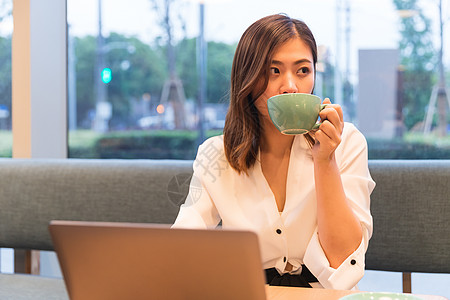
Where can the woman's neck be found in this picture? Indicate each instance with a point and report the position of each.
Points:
(273, 141)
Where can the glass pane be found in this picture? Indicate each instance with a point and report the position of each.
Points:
(6, 28)
(136, 93)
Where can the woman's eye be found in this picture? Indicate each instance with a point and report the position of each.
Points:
(303, 70)
(274, 70)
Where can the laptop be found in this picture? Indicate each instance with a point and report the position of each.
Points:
(101, 260)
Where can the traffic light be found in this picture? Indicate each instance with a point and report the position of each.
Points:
(106, 75)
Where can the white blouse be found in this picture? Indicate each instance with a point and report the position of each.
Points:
(217, 192)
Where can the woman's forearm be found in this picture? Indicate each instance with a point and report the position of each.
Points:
(340, 232)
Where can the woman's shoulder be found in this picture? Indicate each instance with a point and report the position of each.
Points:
(350, 132)
(352, 141)
(211, 160)
(212, 145)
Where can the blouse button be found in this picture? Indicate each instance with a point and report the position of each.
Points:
(353, 262)
(284, 259)
(279, 231)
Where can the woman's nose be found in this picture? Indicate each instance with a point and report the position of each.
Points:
(289, 85)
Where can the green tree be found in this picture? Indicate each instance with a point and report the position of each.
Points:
(5, 65)
(133, 74)
(85, 48)
(170, 13)
(5, 70)
(220, 58)
(5, 76)
(144, 71)
(186, 66)
(417, 59)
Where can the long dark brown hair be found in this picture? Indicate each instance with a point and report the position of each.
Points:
(249, 79)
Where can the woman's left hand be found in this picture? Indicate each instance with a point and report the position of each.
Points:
(328, 136)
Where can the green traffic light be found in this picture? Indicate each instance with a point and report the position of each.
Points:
(106, 75)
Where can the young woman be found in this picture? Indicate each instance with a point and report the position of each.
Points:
(306, 196)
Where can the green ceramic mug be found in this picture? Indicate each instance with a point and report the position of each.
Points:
(295, 113)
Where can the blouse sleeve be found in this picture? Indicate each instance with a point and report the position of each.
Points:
(352, 160)
(198, 211)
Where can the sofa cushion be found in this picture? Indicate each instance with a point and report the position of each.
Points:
(34, 192)
(410, 207)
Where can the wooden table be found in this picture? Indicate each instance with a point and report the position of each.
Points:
(291, 293)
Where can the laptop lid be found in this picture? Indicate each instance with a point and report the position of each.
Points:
(102, 260)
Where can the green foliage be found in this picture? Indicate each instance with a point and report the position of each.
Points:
(429, 139)
(5, 143)
(149, 144)
(187, 66)
(414, 145)
(134, 74)
(416, 45)
(417, 86)
(142, 145)
(155, 144)
(397, 149)
(85, 63)
(328, 81)
(5, 74)
(220, 58)
(82, 143)
(145, 75)
(173, 144)
(144, 72)
(418, 59)
(183, 145)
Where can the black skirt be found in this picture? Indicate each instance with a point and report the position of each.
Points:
(300, 280)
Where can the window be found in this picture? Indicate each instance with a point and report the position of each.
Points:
(5, 75)
(136, 92)
(125, 94)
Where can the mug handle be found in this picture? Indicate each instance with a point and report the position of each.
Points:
(316, 126)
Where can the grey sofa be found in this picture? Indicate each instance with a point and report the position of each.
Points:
(411, 212)
(33, 192)
(410, 206)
